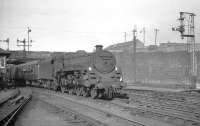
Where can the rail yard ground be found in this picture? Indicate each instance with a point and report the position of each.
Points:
(143, 108)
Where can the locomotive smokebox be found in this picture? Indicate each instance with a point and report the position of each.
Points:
(99, 48)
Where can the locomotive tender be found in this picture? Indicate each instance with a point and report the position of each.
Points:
(85, 74)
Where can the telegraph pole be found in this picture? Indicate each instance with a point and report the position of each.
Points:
(156, 32)
(186, 28)
(134, 53)
(6, 41)
(29, 30)
(125, 36)
(144, 35)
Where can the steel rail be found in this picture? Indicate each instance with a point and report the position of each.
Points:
(14, 94)
(10, 118)
(158, 111)
(102, 111)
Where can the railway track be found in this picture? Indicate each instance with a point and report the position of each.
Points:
(178, 108)
(11, 96)
(12, 107)
(171, 117)
(103, 112)
(182, 104)
(178, 101)
(175, 106)
(159, 114)
(146, 108)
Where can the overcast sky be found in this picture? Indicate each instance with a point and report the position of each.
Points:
(70, 25)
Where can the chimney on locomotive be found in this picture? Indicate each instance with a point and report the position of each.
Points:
(99, 48)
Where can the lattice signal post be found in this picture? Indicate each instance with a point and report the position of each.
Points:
(187, 30)
(24, 44)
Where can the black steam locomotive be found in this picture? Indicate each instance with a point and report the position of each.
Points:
(84, 74)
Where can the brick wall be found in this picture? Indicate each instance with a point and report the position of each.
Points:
(163, 68)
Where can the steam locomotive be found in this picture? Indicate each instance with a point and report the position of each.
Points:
(84, 74)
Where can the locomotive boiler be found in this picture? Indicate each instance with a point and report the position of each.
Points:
(93, 74)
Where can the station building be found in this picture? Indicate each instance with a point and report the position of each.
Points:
(3, 58)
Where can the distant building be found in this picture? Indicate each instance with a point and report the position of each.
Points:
(163, 47)
(18, 57)
(173, 47)
(125, 46)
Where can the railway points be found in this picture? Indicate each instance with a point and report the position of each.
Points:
(12, 107)
(38, 112)
(104, 107)
(5, 95)
(162, 112)
(145, 114)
